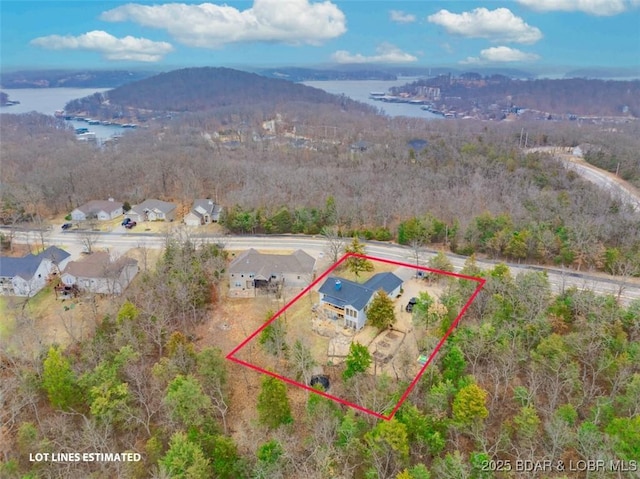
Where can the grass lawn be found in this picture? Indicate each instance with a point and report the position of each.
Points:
(7, 323)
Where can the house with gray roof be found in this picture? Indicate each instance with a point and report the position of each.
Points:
(344, 300)
(153, 210)
(100, 273)
(26, 276)
(203, 211)
(253, 271)
(102, 210)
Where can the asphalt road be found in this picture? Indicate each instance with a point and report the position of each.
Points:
(628, 289)
(603, 179)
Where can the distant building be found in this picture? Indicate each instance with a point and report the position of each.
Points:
(203, 211)
(102, 210)
(153, 210)
(252, 271)
(99, 273)
(344, 300)
(26, 276)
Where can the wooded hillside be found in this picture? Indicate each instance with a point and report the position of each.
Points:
(199, 89)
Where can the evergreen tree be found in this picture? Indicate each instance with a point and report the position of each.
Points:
(358, 360)
(355, 264)
(59, 380)
(273, 403)
(185, 460)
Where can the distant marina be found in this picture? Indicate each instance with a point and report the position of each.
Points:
(375, 93)
(51, 101)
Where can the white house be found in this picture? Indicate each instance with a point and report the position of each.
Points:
(204, 211)
(101, 209)
(99, 273)
(26, 276)
(344, 300)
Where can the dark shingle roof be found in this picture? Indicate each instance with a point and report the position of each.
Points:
(356, 294)
(55, 254)
(26, 266)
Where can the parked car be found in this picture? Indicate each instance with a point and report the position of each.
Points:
(130, 225)
(412, 302)
(126, 221)
(67, 226)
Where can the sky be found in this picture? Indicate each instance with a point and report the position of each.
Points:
(535, 35)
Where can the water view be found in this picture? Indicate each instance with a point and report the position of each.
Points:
(360, 90)
(49, 100)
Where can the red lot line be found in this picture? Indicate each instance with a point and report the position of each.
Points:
(231, 355)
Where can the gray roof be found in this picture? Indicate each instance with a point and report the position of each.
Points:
(55, 254)
(151, 204)
(26, 266)
(98, 265)
(208, 205)
(355, 294)
(264, 265)
(95, 206)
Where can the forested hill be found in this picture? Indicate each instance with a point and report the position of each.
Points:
(199, 89)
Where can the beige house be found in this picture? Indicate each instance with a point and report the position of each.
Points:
(204, 211)
(153, 210)
(102, 210)
(253, 272)
(99, 273)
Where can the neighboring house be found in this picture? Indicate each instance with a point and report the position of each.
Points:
(252, 271)
(153, 210)
(204, 211)
(101, 209)
(26, 276)
(99, 273)
(341, 299)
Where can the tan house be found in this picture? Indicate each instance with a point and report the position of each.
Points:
(204, 211)
(252, 272)
(99, 273)
(102, 210)
(153, 210)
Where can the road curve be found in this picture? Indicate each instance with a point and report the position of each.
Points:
(627, 289)
(617, 187)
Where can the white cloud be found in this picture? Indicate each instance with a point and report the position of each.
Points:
(399, 16)
(112, 48)
(501, 54)
(385, 53)
(497, 25)
(211, 26)
(591, 7)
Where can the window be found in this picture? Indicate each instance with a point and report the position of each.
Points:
(238, 284)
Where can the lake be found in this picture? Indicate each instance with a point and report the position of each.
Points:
(359, 90)
(48, 100)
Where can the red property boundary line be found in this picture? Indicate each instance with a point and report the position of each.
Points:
(231, 356)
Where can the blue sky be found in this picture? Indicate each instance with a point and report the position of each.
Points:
(538, 35)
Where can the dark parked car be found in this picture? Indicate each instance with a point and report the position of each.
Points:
(66, 226)
(412, 302)
(130, 225)
(126, 221)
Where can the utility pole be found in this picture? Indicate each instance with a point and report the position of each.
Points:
(520, 142)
